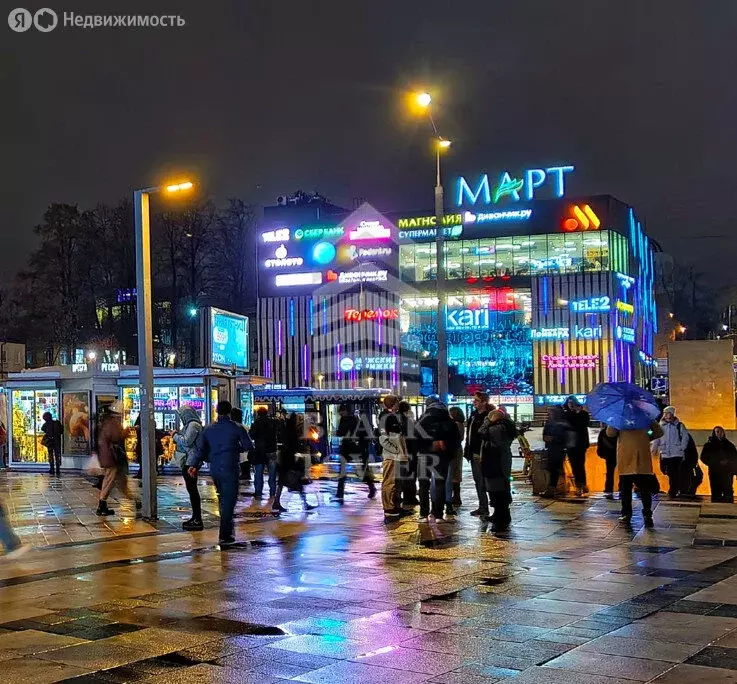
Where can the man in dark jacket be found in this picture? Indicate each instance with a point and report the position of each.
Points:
(497, 434)
(222, 444)
(53, 432)
(354, 436)
(438, 441)
(263, 432)
(472, 450)
(578, 418)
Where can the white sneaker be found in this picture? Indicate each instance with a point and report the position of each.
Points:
(423, 520)
(17, 552)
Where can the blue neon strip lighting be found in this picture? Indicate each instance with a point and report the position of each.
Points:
(324, 316)
(311, 309)
(291, 318)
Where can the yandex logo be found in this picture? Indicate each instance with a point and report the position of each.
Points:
(358, 315)
(581, 218)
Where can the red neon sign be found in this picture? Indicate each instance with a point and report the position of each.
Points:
(570, 362)
(358, 315)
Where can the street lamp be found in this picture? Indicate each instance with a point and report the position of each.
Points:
(145, 340)
(423, 101)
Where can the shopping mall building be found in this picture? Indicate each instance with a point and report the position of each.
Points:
(547, 294)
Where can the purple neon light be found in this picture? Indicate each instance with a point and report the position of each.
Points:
(395, 375)
(562, 370)
(305, 365)
(338, 371)
(279, 341)
(267, 368)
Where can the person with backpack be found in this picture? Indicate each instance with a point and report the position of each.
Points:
(672, 449)
(264, 433)
(53, 431)
(720, 456)
(497, 434)
(606, 448)
(188, 443)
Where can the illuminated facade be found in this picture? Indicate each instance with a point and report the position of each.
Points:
(545, 298)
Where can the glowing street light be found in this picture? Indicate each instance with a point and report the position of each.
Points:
(145, 338)
(423, 100)
(91, 355)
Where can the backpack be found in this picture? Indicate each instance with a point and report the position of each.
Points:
(691, 453)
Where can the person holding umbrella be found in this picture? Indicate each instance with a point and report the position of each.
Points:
(630, 415)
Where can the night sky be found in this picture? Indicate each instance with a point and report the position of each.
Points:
(263, 97)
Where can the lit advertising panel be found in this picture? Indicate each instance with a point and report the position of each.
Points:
(228, 340)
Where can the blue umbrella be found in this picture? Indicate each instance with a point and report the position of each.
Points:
(622, 405)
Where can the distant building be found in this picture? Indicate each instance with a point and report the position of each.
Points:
(12, 358)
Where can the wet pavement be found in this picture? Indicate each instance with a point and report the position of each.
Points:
(335, 596)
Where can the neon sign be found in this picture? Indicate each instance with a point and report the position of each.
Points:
(279, 235)
(428, 221)
(625, 334)
(625, 281)
(318, 233)
(282, 259)
(507, 215)
(430, 233)
(512, 187)
(370, 230)
(579, 333)
(296, 279)
(581, 218)
(368, 363)
(591, 304)
(358, 315)
(624, 307)
(542, 399)
(570, 362)
(352, 277)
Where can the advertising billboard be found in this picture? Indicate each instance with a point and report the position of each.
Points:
(228, 340)
(75, 412)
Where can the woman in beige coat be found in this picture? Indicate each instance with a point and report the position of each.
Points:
(635, 466)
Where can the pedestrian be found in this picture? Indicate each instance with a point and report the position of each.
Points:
(579, 419)
(113, 459)
(53, 431)
(188, 442)
(3, 445)
(671, 447)
(556, 436)
(294, 459)
(236, 415)
(606, 448)
(455, 474)
(263, 457)
(354, 448)
(394, 453)
(408, 468)
(497, 434)
(438, 442)
(222, 444)
(635, 466)
(8, 538)
(472, 450)
(720, 456)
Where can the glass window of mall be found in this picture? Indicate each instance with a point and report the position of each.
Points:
(526, 255)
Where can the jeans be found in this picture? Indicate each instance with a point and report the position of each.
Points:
(672, 468)
(194, 493)
(478, 480)
(227, 487)
(611, 466)
(625, 493)
(8, 538)
(54, 453)
(432, 470)
(258, 475)
(721, 480)
(577, 457)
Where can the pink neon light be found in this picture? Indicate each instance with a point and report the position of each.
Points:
(566, 362)
(370, 230)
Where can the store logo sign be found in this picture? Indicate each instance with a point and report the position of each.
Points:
(79, 368)
(428, 221)
(298, 279)
(353, 277)
(515, 188)
(494, 216)
(625, 334)
(358, 315)
(467, 319)
(109, 367)
(318, 233)
(625, 308)
(581, 218)
(625, 281)
(279, 235)
(592, 304)
(430, 233)
(282, 260)
(543, 399)
(368, 363)
(370, 230)
(578, 332)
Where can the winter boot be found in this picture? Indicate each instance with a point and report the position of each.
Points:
(457, 494)
(103, 510)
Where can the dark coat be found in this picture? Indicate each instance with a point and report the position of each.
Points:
(496, 453)
(222, 445)
(557, 431)
(409, 431)
(606, 447)
(436, 425)
(720, 454)
(579, 422)
(263, 432)
(473, 439)
(53, 432)
(110, 442)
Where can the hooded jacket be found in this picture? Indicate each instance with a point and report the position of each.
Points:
(496, 452)
(720, 454)
(187, 440)
(222, 443)
(263, 432)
